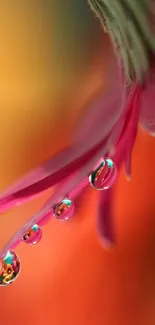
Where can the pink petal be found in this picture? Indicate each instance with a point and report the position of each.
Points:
(93, 133)
(101, 114)
(128, 165)
(131, 141)
(54, 178)
(127, 138)
(63, 190)
(147, 106)
(123, 151)
(105, 221)
(68, 186)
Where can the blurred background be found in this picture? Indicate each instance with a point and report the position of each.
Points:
(53, 56)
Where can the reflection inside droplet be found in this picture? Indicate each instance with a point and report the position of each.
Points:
(104, 176)
(64, 210)
(9, 268)
(33, 235)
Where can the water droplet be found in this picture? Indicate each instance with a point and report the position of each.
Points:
(33, 235)
(64, 210)
(9, 268)
(104, 176)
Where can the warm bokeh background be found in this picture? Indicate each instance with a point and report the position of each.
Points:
(52, 54)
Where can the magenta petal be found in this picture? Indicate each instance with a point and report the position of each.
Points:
(128, 166)
(46, 218)
(105, 220)
(131, 141)
(63, 190)
(52, 179)
(147, 104)
(78, 189)
(94, 132)
(103, 110)
(128, 135)
(68, 185)
(123, 151)
(100, 116)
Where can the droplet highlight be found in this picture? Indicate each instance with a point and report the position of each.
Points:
(33, 235)
(9, 268)
(104, 176)
(64, 210)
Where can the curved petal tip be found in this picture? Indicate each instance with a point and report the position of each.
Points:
(105, 220)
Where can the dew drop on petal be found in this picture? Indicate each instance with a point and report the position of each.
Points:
(64, 210)
(33, 235)
(104, 175)
(9, 268)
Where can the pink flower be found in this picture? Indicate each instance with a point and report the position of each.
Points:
(113, 123)
(108, 129)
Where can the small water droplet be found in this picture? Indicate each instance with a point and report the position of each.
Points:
(9, 268)
(64, 210)
(104, 176)
(33, 235)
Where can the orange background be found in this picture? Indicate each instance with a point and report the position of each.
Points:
(68, 279)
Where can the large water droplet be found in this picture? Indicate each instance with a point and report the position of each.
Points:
(33, 235)
(64, 210)
(9, 268)
(104, 176)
